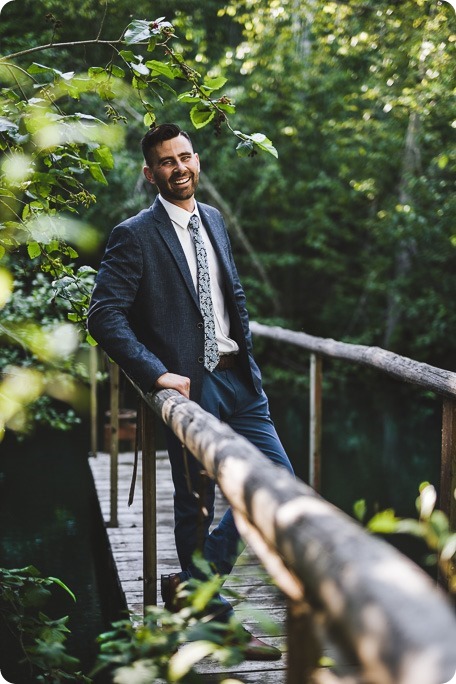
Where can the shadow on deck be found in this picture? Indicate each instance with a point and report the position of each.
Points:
(248, 578)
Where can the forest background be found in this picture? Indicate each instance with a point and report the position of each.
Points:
(348, 232)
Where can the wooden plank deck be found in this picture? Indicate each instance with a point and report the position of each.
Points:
(247, 578)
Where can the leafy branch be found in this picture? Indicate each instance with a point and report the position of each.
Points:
(23, 593)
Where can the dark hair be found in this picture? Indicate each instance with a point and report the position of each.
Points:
(157, 135)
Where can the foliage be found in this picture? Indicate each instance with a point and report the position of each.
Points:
(23, 593)
(38, 355)
(167, 646)
(355, 221)
(57, 144)
(164, 646)
(432, 526)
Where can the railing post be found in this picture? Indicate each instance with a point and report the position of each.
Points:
(114, 443)
(149, 492)
(304, 650)
(93, 400)
(316, 380)
(448, 462)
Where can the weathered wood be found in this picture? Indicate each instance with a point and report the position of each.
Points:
(248, 579)
(400, 367)
(304, 649)
(149, 488)
(448, 462)
(316, 385)
(448, 474)
(383, 609)
(114, 443)
(93, 400)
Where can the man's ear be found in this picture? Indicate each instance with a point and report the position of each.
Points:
(149, 175)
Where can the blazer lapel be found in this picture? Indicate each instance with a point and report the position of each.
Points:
(166, 230)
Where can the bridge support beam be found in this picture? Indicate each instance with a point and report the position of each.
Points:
(304, 650)
(149, 490)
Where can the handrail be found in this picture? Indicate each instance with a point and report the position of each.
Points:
(381, 608)
(408, 370)
(401, 367)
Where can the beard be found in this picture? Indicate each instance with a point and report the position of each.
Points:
(171, 191)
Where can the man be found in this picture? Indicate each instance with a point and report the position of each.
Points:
(168, 307)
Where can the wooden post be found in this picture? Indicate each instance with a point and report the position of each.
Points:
(114, 444)
(316, 379)
(93, 400)
(149, 488)
(304, 650)
(448, 462)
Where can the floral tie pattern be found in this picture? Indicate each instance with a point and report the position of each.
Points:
(211, 353)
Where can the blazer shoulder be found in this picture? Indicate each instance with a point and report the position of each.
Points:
(211, 212)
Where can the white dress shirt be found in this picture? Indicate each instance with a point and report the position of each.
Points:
(180, 218)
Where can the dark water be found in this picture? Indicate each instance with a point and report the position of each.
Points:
(381, 439)
(49, 519)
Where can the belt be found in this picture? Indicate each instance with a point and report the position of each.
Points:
(226, 361)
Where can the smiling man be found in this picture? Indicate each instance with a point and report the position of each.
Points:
(169, 308)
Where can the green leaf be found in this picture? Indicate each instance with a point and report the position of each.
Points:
(33, 249)
(149, 118)
(61, 584)
(359, 509)
(137, 32)
(244, 148)
(2, 251)
(215, 83)
(160, 68)
(90, 340)
(94, 71)
(103, 155)
(384, 522)
(97, 173)
(127, 55)
(117, 71)
(190, 97)
(264, 143)
(201, 118)
(187, 656)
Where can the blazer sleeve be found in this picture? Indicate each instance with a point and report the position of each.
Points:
(116, 288)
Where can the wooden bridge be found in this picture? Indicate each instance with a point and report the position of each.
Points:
(127, 547)
(342, 588)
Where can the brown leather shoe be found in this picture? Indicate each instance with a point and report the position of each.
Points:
(169, 585)
(258, 650)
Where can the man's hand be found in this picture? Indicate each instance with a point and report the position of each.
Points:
(174, 381)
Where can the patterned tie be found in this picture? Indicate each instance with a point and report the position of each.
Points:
(211, 354)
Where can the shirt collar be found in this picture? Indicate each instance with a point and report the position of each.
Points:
(178, 215)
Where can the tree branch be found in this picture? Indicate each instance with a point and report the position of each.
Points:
(38, 48)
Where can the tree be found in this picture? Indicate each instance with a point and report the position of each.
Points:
(56, 144)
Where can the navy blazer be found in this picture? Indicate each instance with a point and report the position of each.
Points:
(144, 310)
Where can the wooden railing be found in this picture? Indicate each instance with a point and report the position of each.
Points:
(342, 585)
(407, 370)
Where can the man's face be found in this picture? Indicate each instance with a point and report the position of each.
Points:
(174, 169)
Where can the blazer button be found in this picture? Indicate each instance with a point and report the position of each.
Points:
(200, 325)
(200, 359)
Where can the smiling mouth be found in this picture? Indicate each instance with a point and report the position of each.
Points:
(181, 181)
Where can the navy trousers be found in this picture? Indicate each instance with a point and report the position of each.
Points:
(226, 396)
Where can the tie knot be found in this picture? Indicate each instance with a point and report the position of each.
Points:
(193, 223)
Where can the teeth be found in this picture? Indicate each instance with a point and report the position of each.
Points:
(181, 181)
